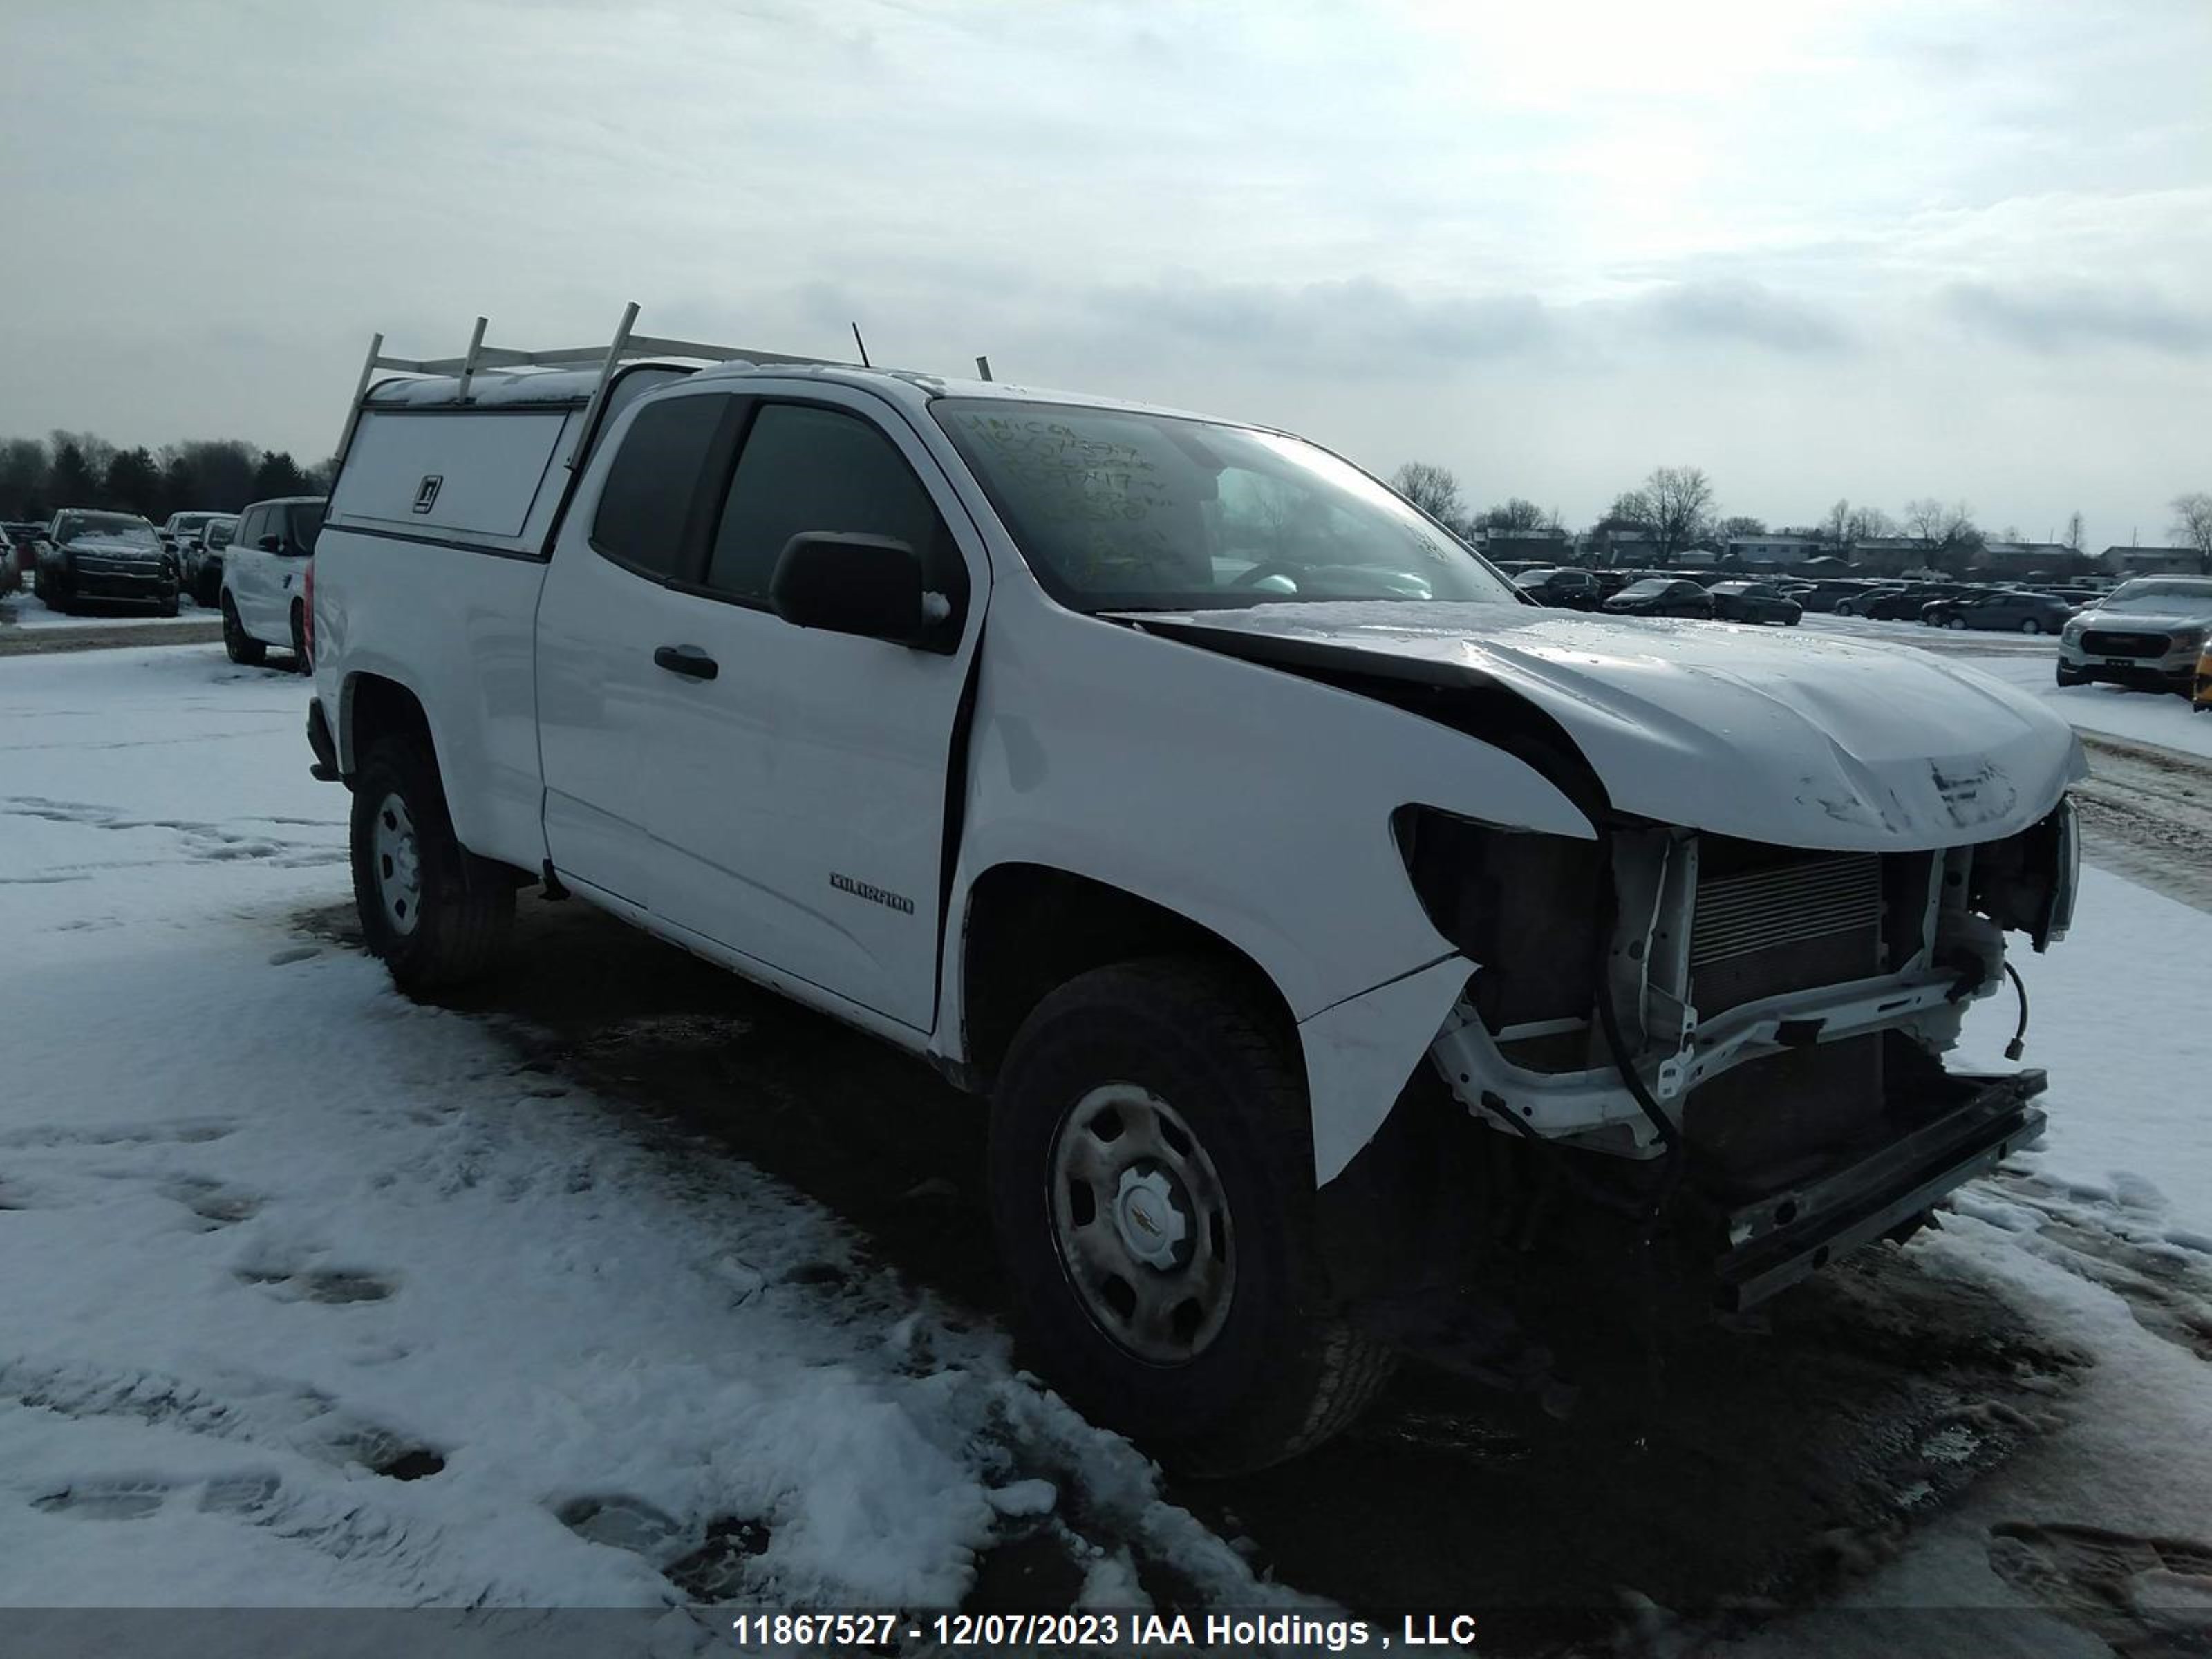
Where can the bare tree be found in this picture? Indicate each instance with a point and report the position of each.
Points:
(1946, 531)
(1516, 513)
(1867, 522)
(2074, 532)
(1680, 501)
(1430, 487)
(2193, 525)
(1740, 524)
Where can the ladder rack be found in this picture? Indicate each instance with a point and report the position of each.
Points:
(626, 346)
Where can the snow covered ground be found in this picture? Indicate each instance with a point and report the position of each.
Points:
(266, 1229)
(311, 1296)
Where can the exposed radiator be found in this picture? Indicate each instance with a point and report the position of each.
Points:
(1787, 927)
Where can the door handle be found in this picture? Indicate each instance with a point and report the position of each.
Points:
(688, 661)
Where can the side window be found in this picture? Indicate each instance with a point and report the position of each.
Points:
(249, 531)
(652, 482)
(808, 468)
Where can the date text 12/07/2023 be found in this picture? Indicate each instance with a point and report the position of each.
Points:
(984, 1631)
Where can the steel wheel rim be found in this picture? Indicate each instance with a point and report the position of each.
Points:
(398, 865)
(1141, 1224)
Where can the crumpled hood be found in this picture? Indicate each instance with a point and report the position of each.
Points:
(1803, 740)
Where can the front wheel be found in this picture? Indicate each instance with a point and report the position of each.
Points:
(240, 647)
(1153, 1191)
(435, 913)
(2070, 676)
(2029, 625)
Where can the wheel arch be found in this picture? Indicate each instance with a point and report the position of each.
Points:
(372, 707)
(1027, 928)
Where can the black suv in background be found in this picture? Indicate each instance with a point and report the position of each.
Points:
(111, 557)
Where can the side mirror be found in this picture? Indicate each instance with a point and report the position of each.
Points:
(847, 583)
(270, 544)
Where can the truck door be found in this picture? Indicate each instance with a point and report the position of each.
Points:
(606, 607)
(792, 782)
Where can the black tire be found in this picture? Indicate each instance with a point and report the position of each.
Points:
(1282, 1370)
(2029, 625)
(300, 656)
(169, 606)
(240, 645)
(2069, 676)
(209, 592)
(463, 906)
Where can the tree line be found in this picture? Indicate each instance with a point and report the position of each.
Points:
(1675, 511)
(40, 476)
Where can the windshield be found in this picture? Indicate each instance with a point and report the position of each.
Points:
(1654, 586)
(221, 530)
(1117, 510)
(117, 527)
(2162, 596)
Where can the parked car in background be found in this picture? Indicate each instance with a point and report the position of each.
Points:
(203, 560)
(2149, 633)
(2202, 700)
(109, 557)
(179, 531)
(1898, 603)
(2013, 609)
(1830, 593)
(1561, 589)
(266, 590)
(1661, 596)
(1753, 602)
(19, 544)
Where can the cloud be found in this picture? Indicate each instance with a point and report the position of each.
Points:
(2065, 319)
(1740, 311)
(1361, 321)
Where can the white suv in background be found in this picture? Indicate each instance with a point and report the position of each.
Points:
(264, 579)
(2148, 633)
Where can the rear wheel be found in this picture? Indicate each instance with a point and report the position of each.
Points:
(1955, 622)
(240, 645)
(2030, 625)
(433, 911)
(1151, 1184)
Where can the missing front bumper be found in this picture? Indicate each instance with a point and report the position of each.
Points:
(1787, 1234)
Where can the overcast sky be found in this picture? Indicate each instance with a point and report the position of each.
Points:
(1864, 249)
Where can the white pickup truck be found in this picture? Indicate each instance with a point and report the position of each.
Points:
(1352, 953)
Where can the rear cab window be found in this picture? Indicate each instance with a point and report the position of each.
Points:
(652, 484)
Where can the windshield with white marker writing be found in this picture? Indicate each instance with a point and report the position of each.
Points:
(1121, 510)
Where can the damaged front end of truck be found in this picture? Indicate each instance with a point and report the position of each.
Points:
(1759, 1029)
(1698, 1054)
